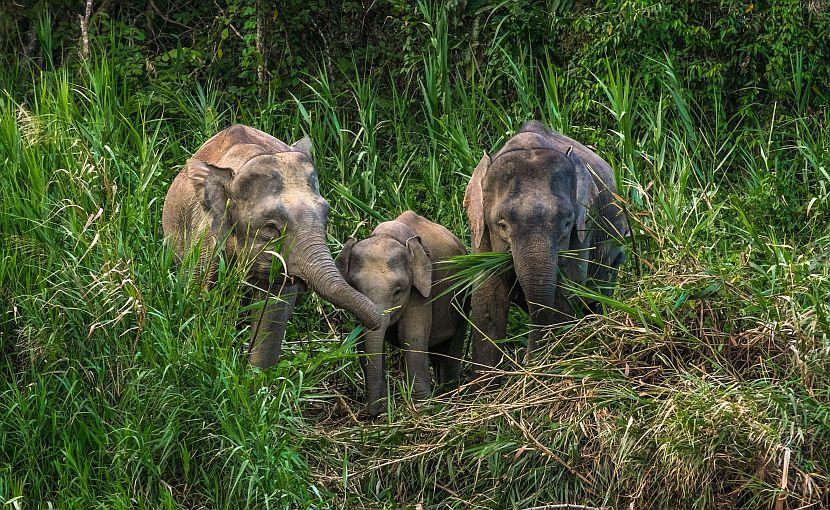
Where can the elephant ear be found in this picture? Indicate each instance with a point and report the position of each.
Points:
(421, 266)
(474, 203)
(342, 260)
(303, 145)
(211, 186)
(586, 195)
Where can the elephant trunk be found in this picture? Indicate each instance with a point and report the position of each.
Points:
(309, 259)
(537, 263)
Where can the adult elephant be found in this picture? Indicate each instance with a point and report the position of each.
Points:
(541, 194)
(253, 192)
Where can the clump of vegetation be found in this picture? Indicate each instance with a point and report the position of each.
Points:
(705, 384)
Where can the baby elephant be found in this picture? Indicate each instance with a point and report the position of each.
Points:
(397, 268)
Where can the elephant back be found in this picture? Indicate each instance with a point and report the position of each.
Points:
(437, 240)
(563, 143)
(238, 144)
(526, 141)
(607, 204)
(396, 230)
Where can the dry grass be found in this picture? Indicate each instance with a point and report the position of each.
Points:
(612, 412)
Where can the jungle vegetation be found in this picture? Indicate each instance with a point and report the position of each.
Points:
(704, 384)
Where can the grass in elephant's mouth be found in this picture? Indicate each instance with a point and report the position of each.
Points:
(124, 384)
(473, 269)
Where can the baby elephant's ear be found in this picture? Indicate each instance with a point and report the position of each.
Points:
(421, 266)
(342, 260)
(211, 184)
(303, 145)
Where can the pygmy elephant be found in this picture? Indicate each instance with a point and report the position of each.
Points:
(542, 194)
(399, 269)
(252, 192)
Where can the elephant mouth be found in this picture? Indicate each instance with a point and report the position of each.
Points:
(266, 264)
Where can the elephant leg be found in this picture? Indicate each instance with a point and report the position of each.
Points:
(437, 355)
(489, 308)
(413, 333)
(437, 358)
(268, 327)
(373, 360)
(448, 367)
(603, 274)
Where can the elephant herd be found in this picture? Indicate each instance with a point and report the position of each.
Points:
(548, 200)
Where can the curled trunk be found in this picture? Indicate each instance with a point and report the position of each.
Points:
(309, 259)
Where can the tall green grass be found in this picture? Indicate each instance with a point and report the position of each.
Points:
(124, 384)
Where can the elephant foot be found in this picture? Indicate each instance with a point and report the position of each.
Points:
(374, 409)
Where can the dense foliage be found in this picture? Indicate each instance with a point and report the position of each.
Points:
(706, 384)
(743, 50)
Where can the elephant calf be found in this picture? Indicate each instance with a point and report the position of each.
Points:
(397, 268)
(252, 192)
(541, 195)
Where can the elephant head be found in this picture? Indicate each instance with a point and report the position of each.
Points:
(258, 192)
(387, 268)
(533, 199)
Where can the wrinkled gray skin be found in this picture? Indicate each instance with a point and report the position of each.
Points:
(247, 188)
(541, 194)
(397, 268)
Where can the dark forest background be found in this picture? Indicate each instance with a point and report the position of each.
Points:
(745, 51)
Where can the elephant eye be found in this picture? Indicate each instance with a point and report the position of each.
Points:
(503, 231)
(272, 225)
